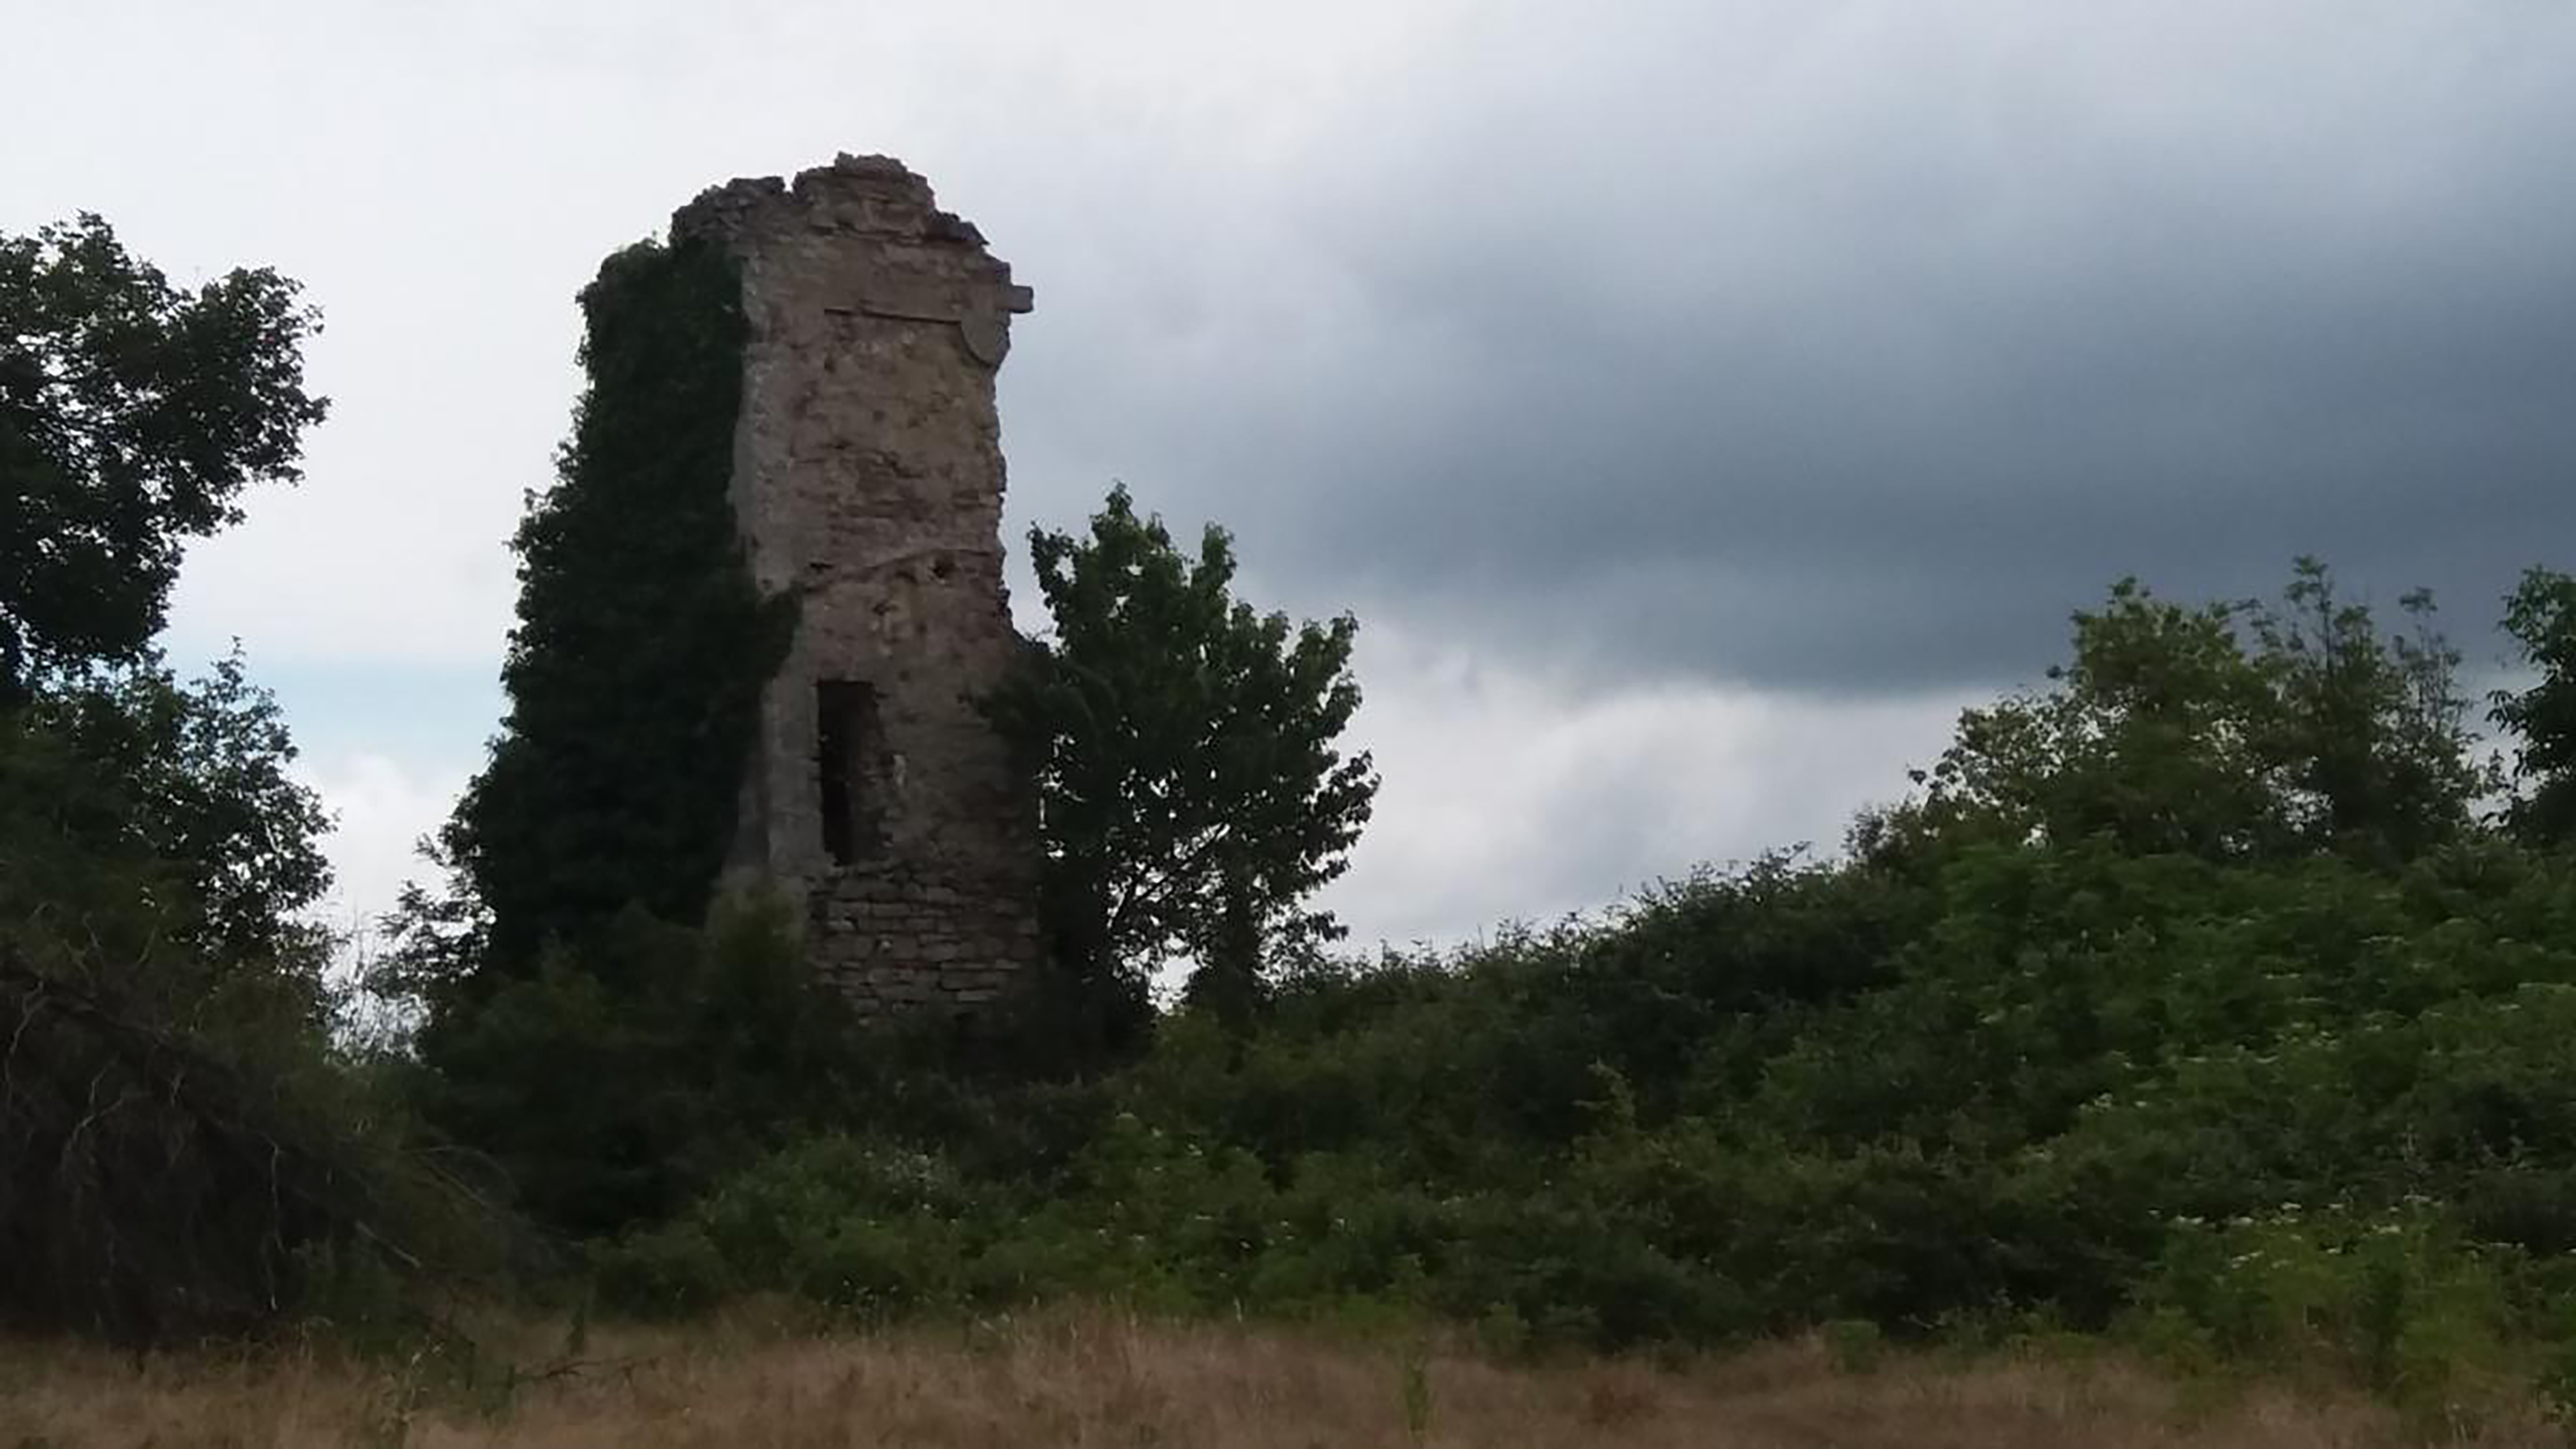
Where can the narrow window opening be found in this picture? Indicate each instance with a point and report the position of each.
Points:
(849, 751)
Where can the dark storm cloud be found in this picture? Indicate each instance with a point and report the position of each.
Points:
(1851, 351)
(1771, 347)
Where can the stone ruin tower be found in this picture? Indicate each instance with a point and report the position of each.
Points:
(867, 479)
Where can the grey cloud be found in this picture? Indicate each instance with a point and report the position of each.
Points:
(1735, 351)
(1850, 353)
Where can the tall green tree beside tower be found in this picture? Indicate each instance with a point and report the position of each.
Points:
(1193, 790)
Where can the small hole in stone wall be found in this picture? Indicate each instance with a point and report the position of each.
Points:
(943, 567)
(850, 769)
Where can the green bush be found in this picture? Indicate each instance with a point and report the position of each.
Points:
(2160, 1010)
(2396, 1300)
(184, 1147)
(618, 1083)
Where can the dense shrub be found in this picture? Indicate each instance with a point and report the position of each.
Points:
(183, 1146)
(2276, 1076)
(609, 1104)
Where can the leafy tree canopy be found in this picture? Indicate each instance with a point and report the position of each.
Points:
(2230, 731)
(1193, 792)
(132, 416)
(2540, 615)
(192, 779)
(182, 1146)
(179, 1137)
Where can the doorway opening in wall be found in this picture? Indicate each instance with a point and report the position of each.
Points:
(849, 758)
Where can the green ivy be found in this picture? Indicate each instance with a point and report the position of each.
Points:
(635, 671)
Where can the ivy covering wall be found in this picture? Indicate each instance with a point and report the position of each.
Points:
(635, 670)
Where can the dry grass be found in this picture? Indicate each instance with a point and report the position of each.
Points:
(1104, 1380)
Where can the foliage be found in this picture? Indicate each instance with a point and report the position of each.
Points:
(577, 1024)
(2372, 734)
(2017, 1115)
(1193, 795)
(634, 672)
(193, 1159)
(2189, 1000)
(2191, 1004)
(196, 778)
(2172, 731)
(615, 1083)
(184, 1147)
(2540, 616)
(132, 416)
(2393, 1299)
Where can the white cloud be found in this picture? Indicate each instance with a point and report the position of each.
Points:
(381, 808)
(1509, 796)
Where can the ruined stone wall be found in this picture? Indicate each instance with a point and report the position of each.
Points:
(868, 478)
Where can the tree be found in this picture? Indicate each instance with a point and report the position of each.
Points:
(195, 777)
(2540, 615)
(2371, 731)
(181, 1142)
(2229, 731)
(132, 416)
(1192, 793)
(2152, 739)
(184, 1147)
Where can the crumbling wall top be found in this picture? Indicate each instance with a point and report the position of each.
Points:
(868, 195)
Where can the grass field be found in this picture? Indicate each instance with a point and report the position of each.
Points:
(1104, 1380)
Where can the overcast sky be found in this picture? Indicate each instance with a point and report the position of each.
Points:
(1697, 402)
